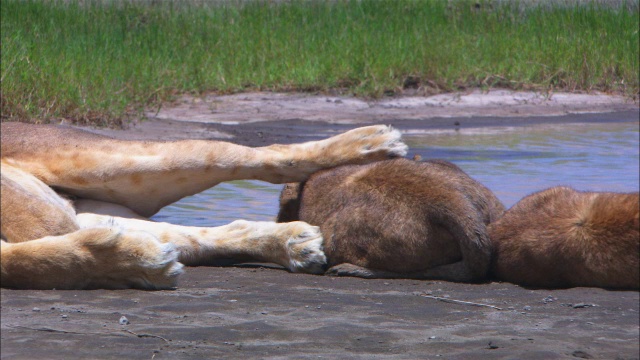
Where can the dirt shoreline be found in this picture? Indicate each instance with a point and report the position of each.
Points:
(262, 311)
(266, 106)
(261, 118)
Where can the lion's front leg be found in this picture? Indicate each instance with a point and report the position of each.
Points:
(296, 245)
(296, 162)
(90, 258)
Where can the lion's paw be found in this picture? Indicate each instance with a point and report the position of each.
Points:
(304, 249)
(370, 143)
(133, 259)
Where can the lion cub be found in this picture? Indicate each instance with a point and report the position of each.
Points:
(561, 238)
(398, 219)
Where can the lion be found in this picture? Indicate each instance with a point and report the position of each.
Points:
(398, 219)
(561, 238)
(76, 205)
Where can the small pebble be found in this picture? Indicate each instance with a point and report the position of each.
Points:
(581, 305)
(123, 321)
(527, 308)
(581, 354)
(548, 299)
(64, 316)
(36, 309)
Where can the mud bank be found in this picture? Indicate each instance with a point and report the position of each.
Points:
(255, 107)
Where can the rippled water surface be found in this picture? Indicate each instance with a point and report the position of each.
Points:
(513, 162)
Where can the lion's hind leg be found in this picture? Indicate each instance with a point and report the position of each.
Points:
(90, 258)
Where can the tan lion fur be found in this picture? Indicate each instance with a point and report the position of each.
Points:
(103, 239)
(89, 259)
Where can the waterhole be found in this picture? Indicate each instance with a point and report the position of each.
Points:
(511, 161)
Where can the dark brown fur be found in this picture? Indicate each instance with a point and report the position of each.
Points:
(398, 218)
(561, 238)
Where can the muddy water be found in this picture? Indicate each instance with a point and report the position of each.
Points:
(511, 161)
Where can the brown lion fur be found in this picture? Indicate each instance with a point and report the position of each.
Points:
(398, 218)
(560, 238)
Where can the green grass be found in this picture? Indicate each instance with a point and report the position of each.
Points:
(101, 62)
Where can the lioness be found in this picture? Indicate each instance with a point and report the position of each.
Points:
(75, 204)
(398, 219)
(560, 238)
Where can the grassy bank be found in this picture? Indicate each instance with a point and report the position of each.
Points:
(101, 61)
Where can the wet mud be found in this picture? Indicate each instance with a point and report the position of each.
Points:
(265, 312)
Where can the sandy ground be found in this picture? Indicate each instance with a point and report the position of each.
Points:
(254, 107)
(262, 311)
